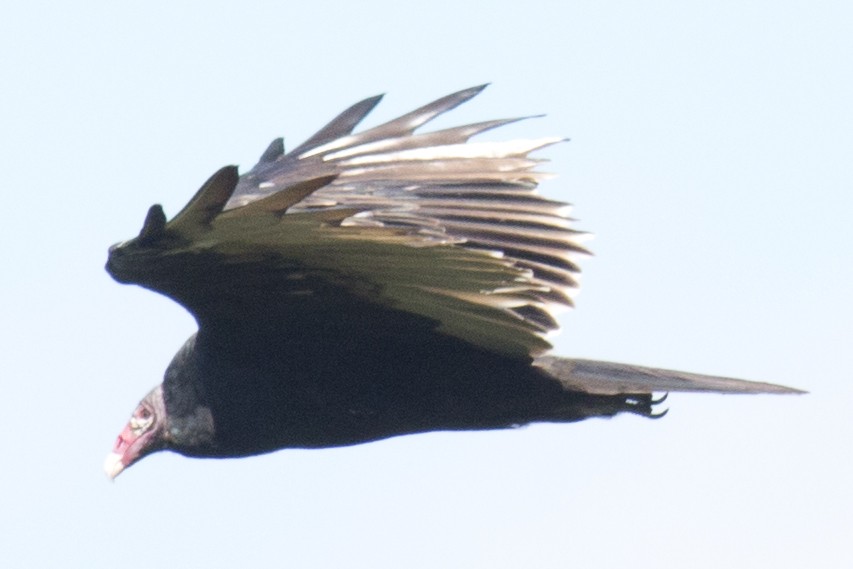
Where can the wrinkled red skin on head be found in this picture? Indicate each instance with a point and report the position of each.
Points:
(124, 442)
(132, 446)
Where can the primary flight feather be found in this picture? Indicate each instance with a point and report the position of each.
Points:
(369, 285)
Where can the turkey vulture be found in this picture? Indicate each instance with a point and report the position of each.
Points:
(369, 285)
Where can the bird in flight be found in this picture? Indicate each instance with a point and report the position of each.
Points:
(369, 285)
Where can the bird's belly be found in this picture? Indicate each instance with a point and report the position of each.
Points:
(369, 407)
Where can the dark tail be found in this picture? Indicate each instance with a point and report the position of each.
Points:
(604, 389)
(608, 378)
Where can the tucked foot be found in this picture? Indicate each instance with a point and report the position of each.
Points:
(643, 404)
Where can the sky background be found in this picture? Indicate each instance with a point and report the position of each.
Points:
(710, 154)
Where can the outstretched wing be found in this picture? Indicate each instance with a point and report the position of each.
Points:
(387, 220)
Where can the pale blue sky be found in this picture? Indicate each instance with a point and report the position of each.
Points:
(710, 154)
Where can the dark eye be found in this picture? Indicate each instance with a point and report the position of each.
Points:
(144, 413)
